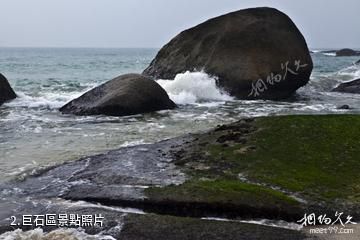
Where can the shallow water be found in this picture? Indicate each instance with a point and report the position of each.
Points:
(33, 133)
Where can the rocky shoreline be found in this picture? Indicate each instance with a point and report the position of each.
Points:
(222, 173)
(253, 179)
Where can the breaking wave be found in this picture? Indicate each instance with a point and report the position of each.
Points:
(44, 100)
(351, 72)
(193, 87)
(64, 234)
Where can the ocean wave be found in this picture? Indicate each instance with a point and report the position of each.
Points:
(351, 72)
(333, 54)
(193, 87)
(47, 100)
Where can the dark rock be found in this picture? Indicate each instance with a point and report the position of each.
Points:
(344, 107)
(346, 52)
(240, 48)
(125, 95)
(153, 227)
(235, 137)
(6, 92)
(123, 225)
(348, 87)
(358, 62)
(107, 176)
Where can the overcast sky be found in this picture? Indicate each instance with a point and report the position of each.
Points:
(152, 23)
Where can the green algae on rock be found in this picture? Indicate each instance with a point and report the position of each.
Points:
(293, 163)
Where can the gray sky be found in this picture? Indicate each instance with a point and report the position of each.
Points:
(152, 23)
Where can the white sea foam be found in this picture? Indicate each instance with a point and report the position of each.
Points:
(330, 54)
(132, 143)
(318, 107)
(45, 100)
(64, 234)
(193, 87)
(357, 73)
(84, 204)
(264, 222)
(351, 72)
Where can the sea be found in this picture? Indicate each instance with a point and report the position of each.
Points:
(34, 134)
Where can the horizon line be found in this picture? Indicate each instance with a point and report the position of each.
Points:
(86, 47)
(141, 47)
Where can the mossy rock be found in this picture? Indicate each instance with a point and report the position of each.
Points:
(153, 226)
(294, 164)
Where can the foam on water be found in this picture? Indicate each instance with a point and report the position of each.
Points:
(264, 222)
(64, 234)
(83, 204)
(46, 100)
(330, 54)
(132, 143)
(193, 87)
(351, 72)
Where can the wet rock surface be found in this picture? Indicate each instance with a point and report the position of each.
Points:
(119, 178)
(187, 228)
(348, 87)
(127, 94)
(191, 177)
(6, 92)
(347, 52)
(117, 174)
(122, 224)
(344, 107)
(255, 164)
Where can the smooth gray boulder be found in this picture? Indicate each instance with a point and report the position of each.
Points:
(6, 92)
(255, 53)
(125, 95)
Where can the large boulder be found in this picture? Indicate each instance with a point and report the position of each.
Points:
(125, 95)
(254, 53)
(347, 52)
(6, 92)
(358, 62)
(348, 87)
